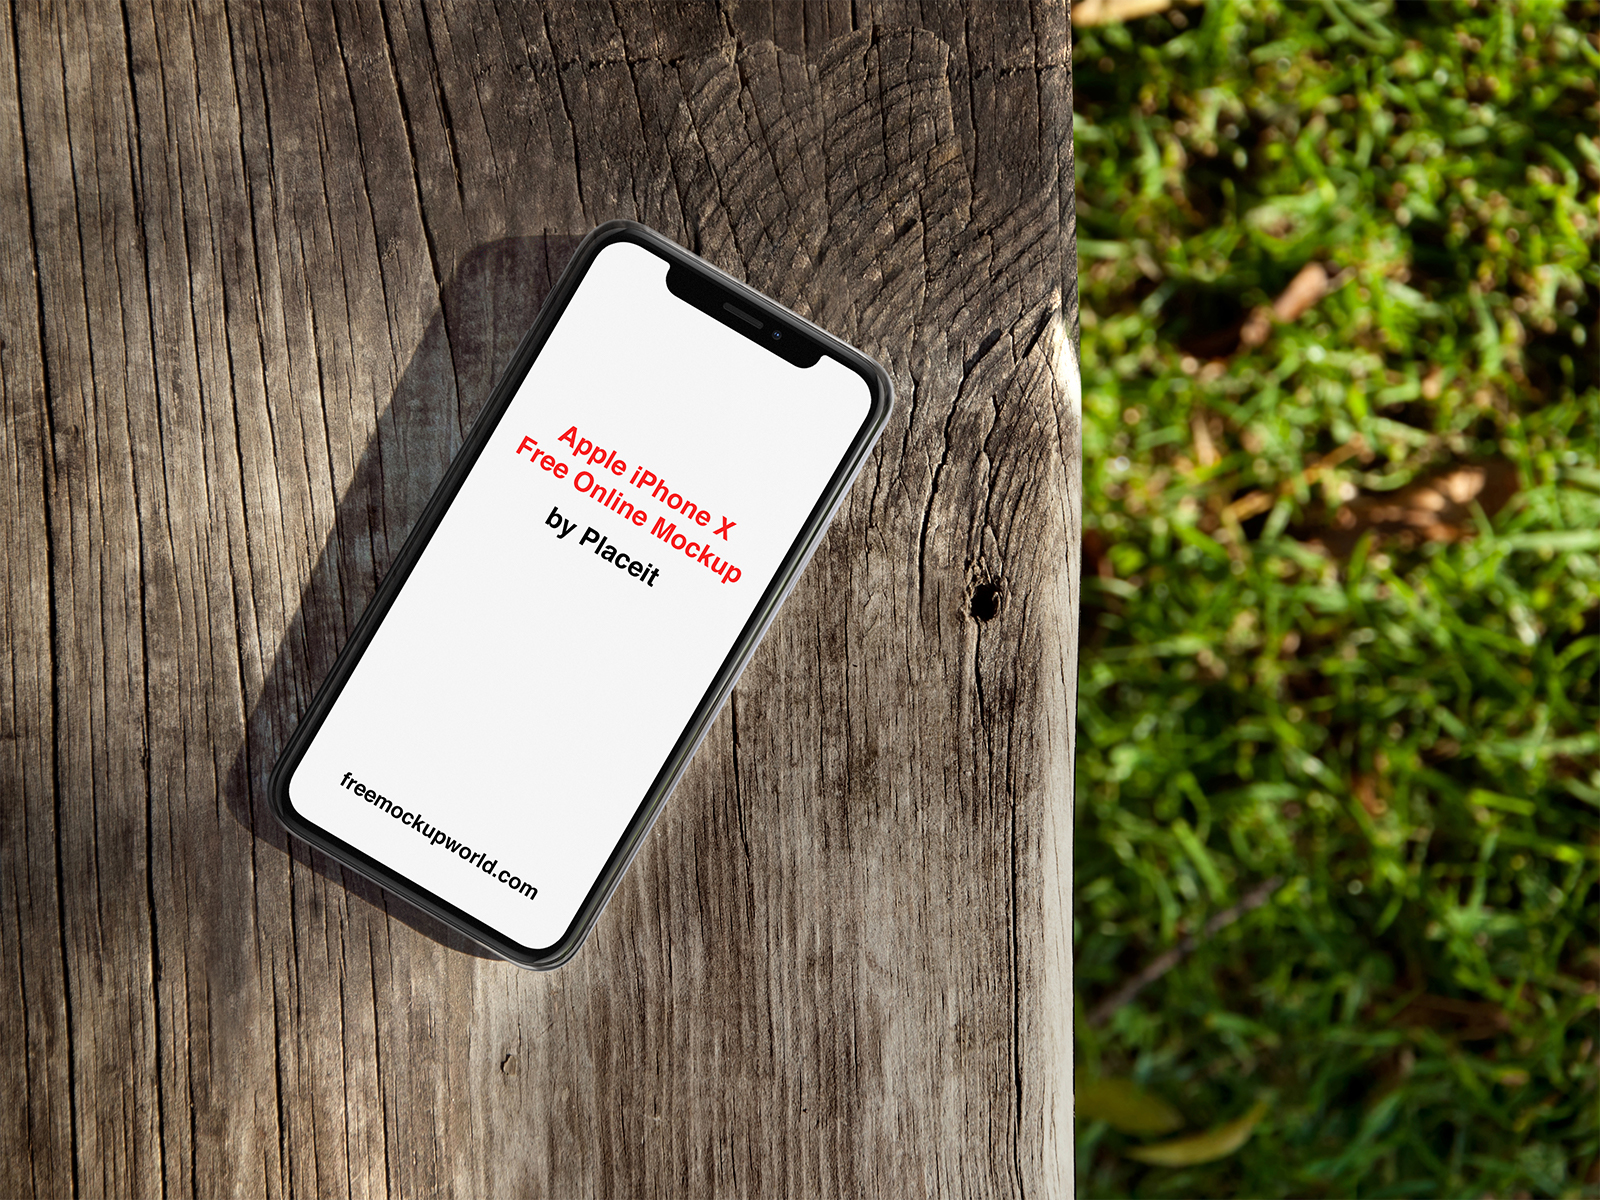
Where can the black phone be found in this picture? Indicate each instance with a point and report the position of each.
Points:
(640, 493)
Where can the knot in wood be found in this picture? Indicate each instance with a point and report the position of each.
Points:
(984, 604)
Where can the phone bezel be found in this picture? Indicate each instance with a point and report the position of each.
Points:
(881, 399)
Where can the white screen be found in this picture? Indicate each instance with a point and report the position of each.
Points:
(524, 691)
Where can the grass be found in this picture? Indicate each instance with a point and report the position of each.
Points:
(1394, 709)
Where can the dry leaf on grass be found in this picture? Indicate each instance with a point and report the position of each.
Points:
(1209, 1146)
(1436, 508)
(1096, 555)
(1310, 284)
(1365, 788)
(1304, 290)
(1123, 1105)
(1109, 12)
(1253, 504)
(1205, 450)
(1467, 1020)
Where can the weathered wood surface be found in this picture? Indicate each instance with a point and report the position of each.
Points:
(259, 267)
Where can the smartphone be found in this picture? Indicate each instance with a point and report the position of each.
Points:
(558, 632)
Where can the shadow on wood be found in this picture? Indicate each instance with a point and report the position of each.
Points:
(488, 305)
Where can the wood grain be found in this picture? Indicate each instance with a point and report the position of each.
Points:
(260, 266)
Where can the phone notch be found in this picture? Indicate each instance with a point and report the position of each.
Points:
(788, 342)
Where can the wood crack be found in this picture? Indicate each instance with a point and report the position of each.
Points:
(50, 479)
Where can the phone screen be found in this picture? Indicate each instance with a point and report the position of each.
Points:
(576, 601)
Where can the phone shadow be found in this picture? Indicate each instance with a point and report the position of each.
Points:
(487, 306)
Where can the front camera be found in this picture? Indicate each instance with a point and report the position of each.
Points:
(777, 335)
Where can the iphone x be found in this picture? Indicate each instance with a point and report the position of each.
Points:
(640, 493)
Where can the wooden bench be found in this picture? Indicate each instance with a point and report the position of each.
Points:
(259, 268)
